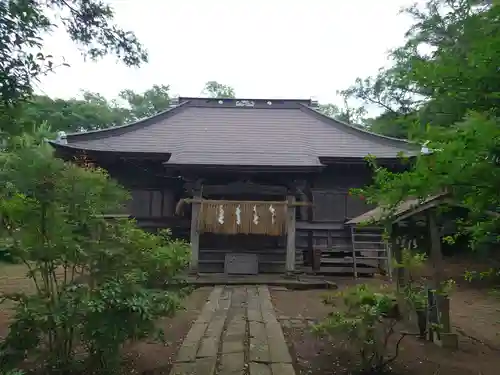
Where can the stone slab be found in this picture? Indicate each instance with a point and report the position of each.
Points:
(277, 344)
(258, 330)
(187, 352)
(235, 333)
(232, 363)
(269, 317)
(215, 327)
(208, 347)
(224, 304)
(205, 366)
(254, 315)
(196, 332)
(278, 351)
(259, 369)
(282, 369)
(259, 351)
(267, 350)
(232, 346)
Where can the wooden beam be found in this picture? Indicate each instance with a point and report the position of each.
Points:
(290, 235)
(195, 233)
(200, 200)
(241, 187)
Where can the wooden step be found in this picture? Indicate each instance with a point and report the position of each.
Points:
(345, 269)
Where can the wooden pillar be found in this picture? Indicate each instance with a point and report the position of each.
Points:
(397, 253)
(195, 233)
(435, 250)
(444, 337)
(290, 234)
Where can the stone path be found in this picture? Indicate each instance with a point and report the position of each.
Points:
(237, 333)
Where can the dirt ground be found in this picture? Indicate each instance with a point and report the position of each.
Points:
(148, 358)
(474, 316)
(153, 358)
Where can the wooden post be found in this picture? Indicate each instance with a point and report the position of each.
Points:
(290, 234)
(397, 253)
(195, 234)
(444, 337)
(435, 249)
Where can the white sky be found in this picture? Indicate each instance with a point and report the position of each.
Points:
(262, 48)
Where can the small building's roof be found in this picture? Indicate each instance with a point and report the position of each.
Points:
(241, 132)
(404, 210)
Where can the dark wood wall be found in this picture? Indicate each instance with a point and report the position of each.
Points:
(330, 193)
(156, 197)
(152, 203)
(154, 200)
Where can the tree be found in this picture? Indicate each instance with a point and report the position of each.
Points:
(93, 278)
(453, 44)
(213, 89)
(465, 164)
(148, 103)
(463, 110)
(89, 113)
(89, 23)
(353, 116)
(330, 110)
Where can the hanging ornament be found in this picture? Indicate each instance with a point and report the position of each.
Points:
(272, 210)
(221, 215)
(255, 216)
(238, 215)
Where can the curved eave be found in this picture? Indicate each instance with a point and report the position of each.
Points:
(69, 150)
(405, 144)
(116, 130)
(326, 160)
(246, 168)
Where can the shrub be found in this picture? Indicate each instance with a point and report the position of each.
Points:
(92, 276)
(367, 318)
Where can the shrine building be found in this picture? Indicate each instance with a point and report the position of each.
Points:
(255, 185)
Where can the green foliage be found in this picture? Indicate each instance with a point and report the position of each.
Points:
(14, 372)
(413, 290)
(92, 276)
(72, 115)
(22, 27)
(213, 89)
(90, 112)
(446, 68)
(147, 103)
(346, 114)
(88, 23)
(464, 164)
(367, 318)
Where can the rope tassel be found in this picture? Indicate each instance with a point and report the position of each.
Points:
(233, 217)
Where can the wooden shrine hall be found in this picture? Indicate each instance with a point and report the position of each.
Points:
(255, 185)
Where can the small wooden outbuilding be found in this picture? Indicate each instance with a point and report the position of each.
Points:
(421, 214)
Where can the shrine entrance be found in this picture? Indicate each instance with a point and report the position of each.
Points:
(243, 236)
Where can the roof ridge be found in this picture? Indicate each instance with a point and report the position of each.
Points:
(142, 121)
(406, 141)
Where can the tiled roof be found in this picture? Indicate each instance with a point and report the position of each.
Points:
(283, 133)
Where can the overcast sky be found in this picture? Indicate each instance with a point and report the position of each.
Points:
(262, 48)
